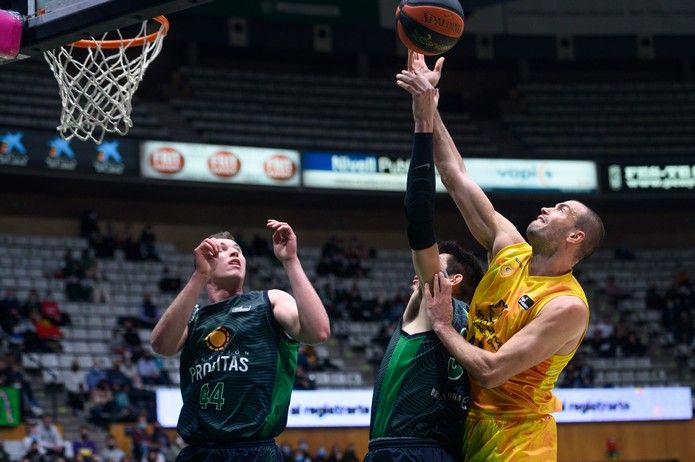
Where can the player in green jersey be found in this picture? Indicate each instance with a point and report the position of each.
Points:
(421, 393)
(239, 352)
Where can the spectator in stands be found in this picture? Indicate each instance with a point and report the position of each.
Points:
(147, 244)
(34, 453)
(115, 374)
(84, 446)
(302, 381)
(101, 289)
(107, 246)
(4, 456)
(32, 305)
(47, 333)
(23, 334)
(321, 455)
(140, 437)
(175, 448)
(111, 452)
(75, 382)
(151, 371)
(338, 455)
(95, 375)
(131, 339)
(51, 311)
(100, 404)
(287, 452)
(89, 227)
(149, 313)
(131, 247)
(653, 299)
(8, 304)
(71, 267)
(632, 346)
(578, 374)
(614, 292)
(48, 437)
(160, 437)
(120, 407)
(12, 376)
(168, 282)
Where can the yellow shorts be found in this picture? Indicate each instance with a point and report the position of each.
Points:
(491, 438)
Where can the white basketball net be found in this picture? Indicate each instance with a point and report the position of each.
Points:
(97, 84)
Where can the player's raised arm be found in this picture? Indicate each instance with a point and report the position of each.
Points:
(170, 332)
(420, 184)
(303, 317)
(490, 229)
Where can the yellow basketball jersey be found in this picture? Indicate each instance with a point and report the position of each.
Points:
(507, 299)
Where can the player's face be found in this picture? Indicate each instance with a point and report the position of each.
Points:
(553, 223)
(231, 263)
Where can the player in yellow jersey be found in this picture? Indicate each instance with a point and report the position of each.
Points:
(528, 315)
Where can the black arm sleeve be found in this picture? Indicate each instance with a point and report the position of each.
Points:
(419, 194)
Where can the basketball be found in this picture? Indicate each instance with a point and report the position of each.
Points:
(430, 27)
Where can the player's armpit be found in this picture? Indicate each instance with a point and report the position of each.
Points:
(557, 330)
(285, 312)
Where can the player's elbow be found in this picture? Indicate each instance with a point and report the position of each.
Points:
(491, 377)
(490, 381)
(159, 345)
(321, 335)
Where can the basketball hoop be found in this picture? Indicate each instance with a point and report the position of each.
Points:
(97, 83)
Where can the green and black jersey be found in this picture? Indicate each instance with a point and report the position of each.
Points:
(237, 372)
(420, 390)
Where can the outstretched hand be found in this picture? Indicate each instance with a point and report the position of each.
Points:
(206, 256)
(417, 64)
(425, 97)
(437, 300)
(284, 240)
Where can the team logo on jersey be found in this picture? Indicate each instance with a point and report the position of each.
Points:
(218, 339)
(526, 302)
(506, 271)
(454, 369)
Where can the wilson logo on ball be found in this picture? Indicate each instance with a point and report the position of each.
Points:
(224, 164)
(166, 160)
(430, 27)
(280, 167)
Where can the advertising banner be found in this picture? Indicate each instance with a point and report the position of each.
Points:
(358, 171)
(308, 408)
(10, 415)
(624, 404)
(31, 150)
(352, 408)
(650, 177)
(219, 164)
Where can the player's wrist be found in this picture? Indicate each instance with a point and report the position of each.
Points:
(424, 125)
(441, 328)
(201, 277)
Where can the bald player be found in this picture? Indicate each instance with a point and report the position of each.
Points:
(528, 315)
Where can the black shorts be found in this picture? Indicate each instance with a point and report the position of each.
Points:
(251, 451)
(406, 450)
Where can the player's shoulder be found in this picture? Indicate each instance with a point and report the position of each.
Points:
(278, 295)
(569, 306)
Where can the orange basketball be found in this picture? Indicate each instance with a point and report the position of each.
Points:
(430, 27)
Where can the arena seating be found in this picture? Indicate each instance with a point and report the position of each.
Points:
(596, 120)
(31, 261)
(29, 99)
(308, 112)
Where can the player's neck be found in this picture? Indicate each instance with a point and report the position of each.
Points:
(553, 265)
(217, 294)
